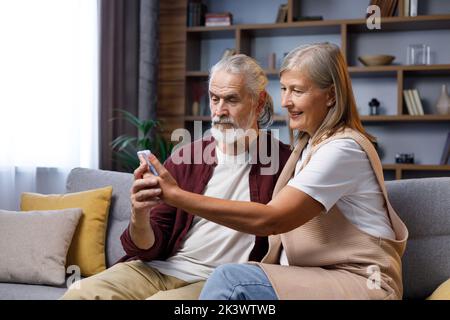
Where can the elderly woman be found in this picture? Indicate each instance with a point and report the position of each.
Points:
(333, 233)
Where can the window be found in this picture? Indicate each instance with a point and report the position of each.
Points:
(48, 85)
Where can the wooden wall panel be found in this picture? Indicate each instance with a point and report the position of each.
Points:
(172, 40)
(172, 57)
(171, 102)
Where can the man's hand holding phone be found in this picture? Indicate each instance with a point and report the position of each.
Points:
(144, 192)
(144, 196)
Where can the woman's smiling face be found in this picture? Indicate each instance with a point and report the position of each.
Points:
(306, 103)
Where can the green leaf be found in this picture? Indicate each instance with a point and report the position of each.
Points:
(149, 137)
(131, 118)
(126, 143)
(143, 144)
(119, 140)
(147, 126)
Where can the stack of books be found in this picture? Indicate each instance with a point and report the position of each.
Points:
(218, 19)
(413, 102)
(196, 13)
(387, 7)
(282, 13)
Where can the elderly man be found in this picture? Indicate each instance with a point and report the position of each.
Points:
(171, 253)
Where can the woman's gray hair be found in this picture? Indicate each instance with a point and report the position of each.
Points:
(255, 81)
(325, 65)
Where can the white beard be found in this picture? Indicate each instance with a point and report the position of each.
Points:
(228, 136)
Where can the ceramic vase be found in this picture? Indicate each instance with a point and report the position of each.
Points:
(443, 104)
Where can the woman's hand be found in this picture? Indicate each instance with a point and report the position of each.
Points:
(168, 185)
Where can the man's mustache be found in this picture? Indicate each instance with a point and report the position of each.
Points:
(222, 120)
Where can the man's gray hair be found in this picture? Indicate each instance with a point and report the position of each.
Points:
(255, 80)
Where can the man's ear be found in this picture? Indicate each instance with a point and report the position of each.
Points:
(261, 101)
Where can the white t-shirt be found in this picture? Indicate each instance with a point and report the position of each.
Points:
(340, 173)
(207, 244)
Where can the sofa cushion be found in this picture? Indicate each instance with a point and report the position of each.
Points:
(14, 291)
(83, 179)
(34, 245)
(87, 250)
(424, 206)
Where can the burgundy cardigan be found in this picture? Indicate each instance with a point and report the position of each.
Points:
(171, 224)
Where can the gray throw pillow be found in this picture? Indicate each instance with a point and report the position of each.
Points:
(34, 245)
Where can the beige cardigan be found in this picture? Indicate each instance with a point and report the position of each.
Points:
(329, 257)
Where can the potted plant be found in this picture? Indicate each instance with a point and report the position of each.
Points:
(149, 137)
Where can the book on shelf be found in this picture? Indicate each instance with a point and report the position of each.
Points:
(406, 8)
(410, 8)
(387, 7)
(445, 158)
(282, 13)
(217, 24)
(408, 102)
(418, 102)
(218, 19)
(413, 8)
(196, 13)
(413, 102)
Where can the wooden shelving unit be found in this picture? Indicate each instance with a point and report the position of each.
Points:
(243, 34)
(406, 118)
(400, 168)
(429, 22)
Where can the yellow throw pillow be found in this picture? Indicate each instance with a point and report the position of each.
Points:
(87, 249)
(442, 292)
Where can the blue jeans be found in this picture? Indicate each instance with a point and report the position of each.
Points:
(238, 282)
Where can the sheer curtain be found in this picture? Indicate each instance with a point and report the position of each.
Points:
(48, 94)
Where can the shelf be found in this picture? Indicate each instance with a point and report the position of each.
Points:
(416, 167)
(360, 70)
(211, 32)
(211, 29)
(292, 28)
(400, 168)
(429, 22)
(406, 118)
(410, 69)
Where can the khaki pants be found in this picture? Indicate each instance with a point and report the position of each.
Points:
(133, 280)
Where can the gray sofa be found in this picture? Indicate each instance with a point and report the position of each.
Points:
(423, 204)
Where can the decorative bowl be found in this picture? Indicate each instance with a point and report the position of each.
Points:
(376, 60)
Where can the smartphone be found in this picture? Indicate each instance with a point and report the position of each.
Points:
(146, 154)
